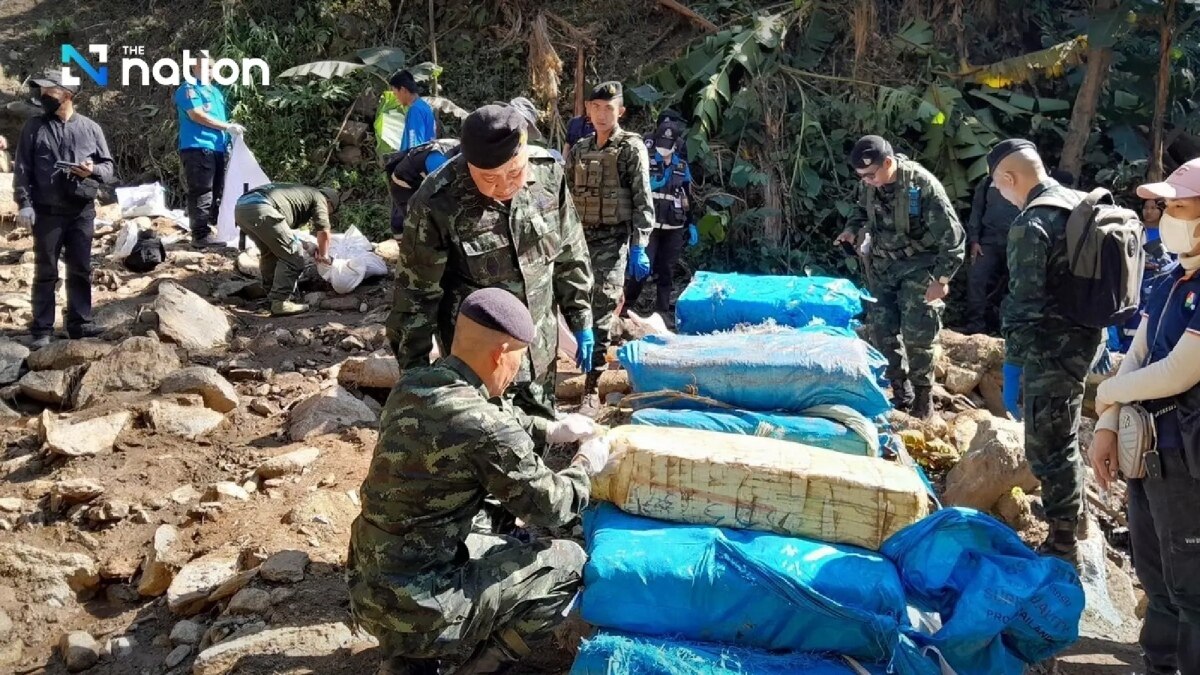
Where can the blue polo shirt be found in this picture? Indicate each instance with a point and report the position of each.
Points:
(419, 125)
(209, 99)
(1171, 314)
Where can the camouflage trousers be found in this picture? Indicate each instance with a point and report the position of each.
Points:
(281, 260)
(1053, 402)
(507, 595)
(609, 248)
(903, 325)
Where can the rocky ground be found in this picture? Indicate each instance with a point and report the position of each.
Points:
(176, 496)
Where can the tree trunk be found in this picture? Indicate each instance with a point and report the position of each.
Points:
(579, 80)
(1099, 59)
(433, 85)
(1155, 170)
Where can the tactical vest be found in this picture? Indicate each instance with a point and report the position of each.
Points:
(599, 196)
(670, 198)
(895, 242)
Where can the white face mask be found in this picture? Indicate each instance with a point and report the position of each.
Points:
(665, 152)
(1178, 235)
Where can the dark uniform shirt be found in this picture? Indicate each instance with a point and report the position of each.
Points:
(299, 204)
(991, 215)
(46, 139)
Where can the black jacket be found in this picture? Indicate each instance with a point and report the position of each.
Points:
(46, 139)
(991, 216)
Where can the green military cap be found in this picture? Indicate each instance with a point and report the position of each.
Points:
(606, 91)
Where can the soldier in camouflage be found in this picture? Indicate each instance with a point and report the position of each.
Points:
(609, 173)
(915, 244)
(499, 214)
(1048, 351)
(420, 580)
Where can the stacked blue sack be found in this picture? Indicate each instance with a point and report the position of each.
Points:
(1002, 605)
(754, 589)
(614, 653)
(789, 371)
(818, 432)
(715, 302)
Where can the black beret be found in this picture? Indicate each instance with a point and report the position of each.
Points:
(605, 91)
(492, 135)
(869, 151)
(501, 311)
(1005, 148)
(403, 79)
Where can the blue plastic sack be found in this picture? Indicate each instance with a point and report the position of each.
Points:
(611, 653)
(715, 302)
(737, 586)
(1001, 604)
(814, 431)
(790, 371)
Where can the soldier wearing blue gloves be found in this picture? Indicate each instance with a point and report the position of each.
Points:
(609, 174)
(671, 183)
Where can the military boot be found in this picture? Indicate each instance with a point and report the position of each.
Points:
(1062, 542)
(922, 407)
(902, 395)
(590, 406)
(399, 665)
(490, 660)
(287, 308)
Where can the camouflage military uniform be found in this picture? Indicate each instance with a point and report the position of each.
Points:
(419, 579)
(1056, 353)
(906, 254)
(612, 214)
(457, 241)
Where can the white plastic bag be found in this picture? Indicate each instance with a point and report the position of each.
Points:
(126, 239)
(242, 174)
(354, 260)
(143, 200)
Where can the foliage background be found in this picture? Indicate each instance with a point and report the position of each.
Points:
(775, 96)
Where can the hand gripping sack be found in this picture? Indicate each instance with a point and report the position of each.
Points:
(1105, 259)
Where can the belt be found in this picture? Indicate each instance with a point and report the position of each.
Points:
(899, 254)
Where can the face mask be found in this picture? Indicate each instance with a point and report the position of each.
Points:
(665, 152)
(1177, 234)
(50, 104)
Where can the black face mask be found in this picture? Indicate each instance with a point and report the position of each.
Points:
(49, 104)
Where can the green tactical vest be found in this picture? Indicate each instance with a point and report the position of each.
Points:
(895, 241)
(599, 196)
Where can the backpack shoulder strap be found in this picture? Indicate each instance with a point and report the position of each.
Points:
(1060, 201)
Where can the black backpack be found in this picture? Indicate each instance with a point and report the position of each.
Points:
(1105, 259)
(147, 253)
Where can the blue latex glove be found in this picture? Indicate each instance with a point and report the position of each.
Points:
(1012, 389)
(586, 340)
(639, 263)
(693, 235)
